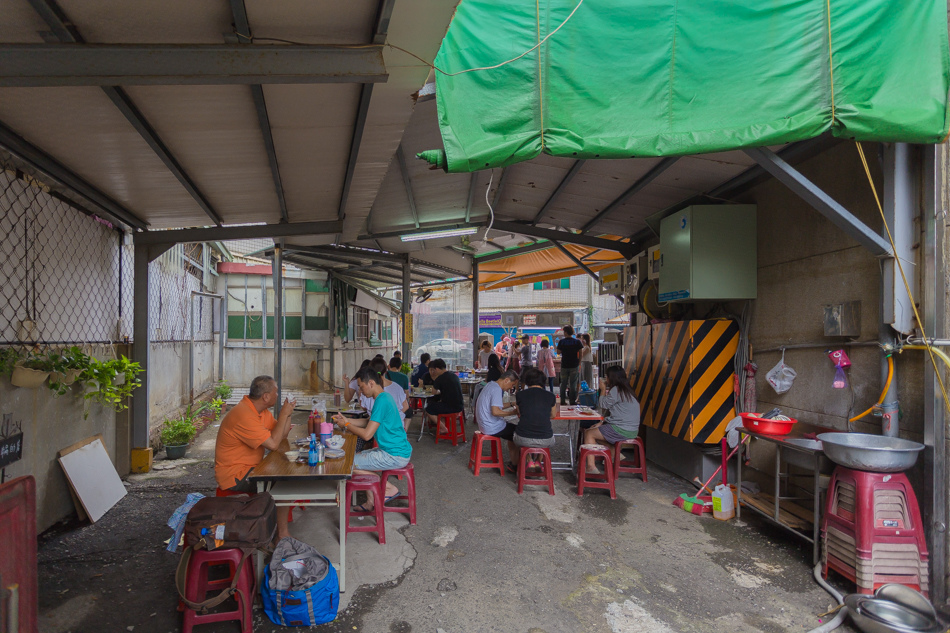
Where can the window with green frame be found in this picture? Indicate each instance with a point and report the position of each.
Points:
(553, 284)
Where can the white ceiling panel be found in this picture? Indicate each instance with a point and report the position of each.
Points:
(82, 129)
(309, 22)
(213, 133)
(149, 21)
(19, 23)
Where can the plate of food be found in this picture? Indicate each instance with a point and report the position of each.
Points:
(334, 453)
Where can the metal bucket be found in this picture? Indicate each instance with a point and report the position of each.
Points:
(874, 453)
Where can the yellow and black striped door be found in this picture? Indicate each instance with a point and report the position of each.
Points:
(637, 356)
(713, 346)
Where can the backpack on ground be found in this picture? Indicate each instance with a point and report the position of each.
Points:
(239, 521)
(300, 586)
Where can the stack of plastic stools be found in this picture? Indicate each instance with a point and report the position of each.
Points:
(370, 483)
(198, 586)
(408, 473)
(636, 466)
(454, 424)
(547, 474)
(872, 531)
(477, 460)
(604, 480)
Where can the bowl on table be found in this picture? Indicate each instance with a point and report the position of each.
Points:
(292, 455)
(336, 442)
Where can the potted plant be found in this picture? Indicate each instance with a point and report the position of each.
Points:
(66, 368)
(111, 381)
(176, 435)
(223, 392)
(31, 372)
(8, 359)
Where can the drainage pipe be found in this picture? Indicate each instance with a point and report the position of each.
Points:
(838, 620)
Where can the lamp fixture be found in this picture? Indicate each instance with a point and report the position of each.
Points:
(435, 234)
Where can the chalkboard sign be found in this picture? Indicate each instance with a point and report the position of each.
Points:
(11, 450)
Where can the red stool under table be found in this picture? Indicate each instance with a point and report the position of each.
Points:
(221, 492)
(637, 466)
(547, 477)
(369, 483)
(454, 424)
(478, 460)
(197, 587)
(590, 480)
(410, 496)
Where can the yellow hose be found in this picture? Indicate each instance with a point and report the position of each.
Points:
(887, 386)
(939, 353)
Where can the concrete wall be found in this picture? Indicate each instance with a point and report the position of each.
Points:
(168, 386)
(49, 425)
(805, 262)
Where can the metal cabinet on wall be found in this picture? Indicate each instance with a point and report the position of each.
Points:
(683, 376)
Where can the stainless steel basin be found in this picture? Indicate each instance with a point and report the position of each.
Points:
(814, 445)
(874, 453)
(803, 460)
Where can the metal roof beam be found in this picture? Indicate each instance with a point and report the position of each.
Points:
(530, 248)
(471, 196)
(821, 201)
(67, 32)
(245, 232)
(243, 28)
(574, 259)
(407, 183)
(38, 65)
(335, 251)
(97, 200)
(641, 182)
(623, 248)
(423, 228)
(362, 110)
(502, 181)
(568, 177)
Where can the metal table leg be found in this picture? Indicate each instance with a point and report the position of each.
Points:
(343, 500)
(816, 509)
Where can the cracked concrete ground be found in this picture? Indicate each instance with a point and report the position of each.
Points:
(482, 558)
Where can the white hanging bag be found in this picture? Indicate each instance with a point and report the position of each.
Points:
(781, 376)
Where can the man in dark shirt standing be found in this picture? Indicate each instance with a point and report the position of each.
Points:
(570, 350)
(447, 388)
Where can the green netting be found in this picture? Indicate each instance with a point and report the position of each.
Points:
(629, 78)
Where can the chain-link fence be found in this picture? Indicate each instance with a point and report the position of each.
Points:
(174, 278)
(65, 277)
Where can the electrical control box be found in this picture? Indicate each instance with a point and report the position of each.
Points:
(653, 262)
(708, 252)
(612, 281)
(635, 272)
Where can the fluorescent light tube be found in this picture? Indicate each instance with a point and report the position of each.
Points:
(415, 237)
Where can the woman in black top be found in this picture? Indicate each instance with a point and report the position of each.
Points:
(494, 368)
(536, 407)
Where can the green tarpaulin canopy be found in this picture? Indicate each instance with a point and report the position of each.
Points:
(630, 78)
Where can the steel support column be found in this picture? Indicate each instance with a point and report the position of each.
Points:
(577, 261)
(140, 348)
(278, 321)
(821, 201)
(934, 291)
(223, 334)
(474, 313)
(406, 310)
(331, 306)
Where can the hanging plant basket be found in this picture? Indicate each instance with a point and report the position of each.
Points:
(66, 379)
(28, 378)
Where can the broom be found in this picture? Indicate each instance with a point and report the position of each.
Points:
(695, 505)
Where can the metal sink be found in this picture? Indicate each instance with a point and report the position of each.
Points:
(813, 445)
(803, 460)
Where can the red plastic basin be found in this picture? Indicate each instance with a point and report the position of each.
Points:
(767, 427)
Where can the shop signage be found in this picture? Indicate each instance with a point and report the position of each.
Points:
(11, 450)
(530, 319)
(489, 320)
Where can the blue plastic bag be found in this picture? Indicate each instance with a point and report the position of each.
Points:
(317, 604)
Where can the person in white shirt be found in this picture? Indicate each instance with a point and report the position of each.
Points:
(490, 413)
(483, 355)
(352, 389)
(392, 388)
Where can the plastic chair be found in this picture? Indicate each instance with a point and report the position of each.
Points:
(636, 466)
(197, 586)
(547, 477)
(454, 424)
(604, 480)
(477, 460)
(370, 483)
(408, 473)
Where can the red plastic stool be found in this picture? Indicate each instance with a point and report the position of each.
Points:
(477, 460)
(454, 424)
(410, 496)
(636, 466)
(220, 492)
(197, 587)
(590, 480)
(546, 479)
(372, 483)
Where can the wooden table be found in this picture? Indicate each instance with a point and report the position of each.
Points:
(572, 416)
(293, 483)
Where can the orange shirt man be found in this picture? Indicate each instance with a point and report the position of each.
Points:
(245, 432)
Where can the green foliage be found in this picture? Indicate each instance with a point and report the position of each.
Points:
(8, 359)
(37, 362)
(216, 405)
(406, 368)
(66, 365)
(178, 431)
(223, 390)
(111, 381)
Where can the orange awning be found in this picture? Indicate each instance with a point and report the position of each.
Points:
(543, 265)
